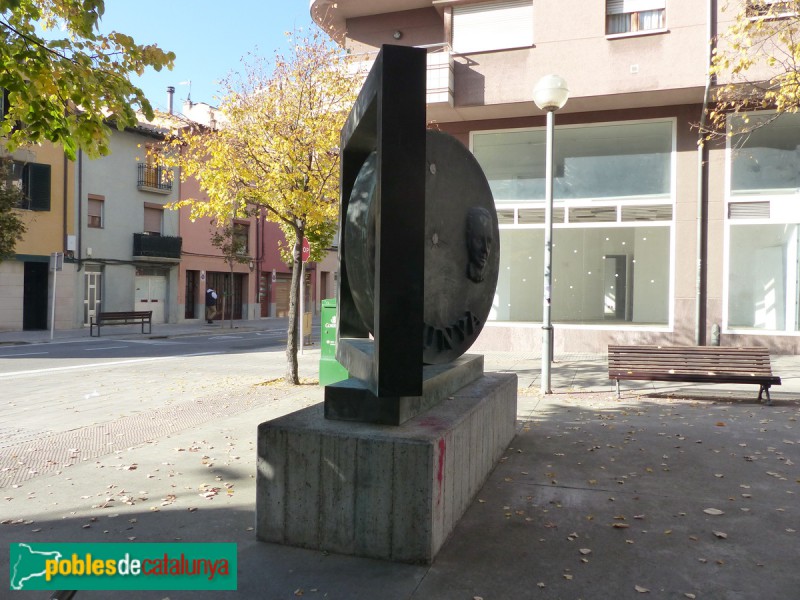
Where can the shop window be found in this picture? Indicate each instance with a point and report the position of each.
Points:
(600, 275)
(612, 219)
(598, 161)
(763, 283)
(763, 225)
(767, 159)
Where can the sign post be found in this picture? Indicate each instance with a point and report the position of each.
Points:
(56, 265)
(305, 254)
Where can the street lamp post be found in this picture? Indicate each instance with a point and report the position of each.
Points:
(549, 94)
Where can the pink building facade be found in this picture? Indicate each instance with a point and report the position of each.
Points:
(257, 286)
(275, 275)
(203, 265)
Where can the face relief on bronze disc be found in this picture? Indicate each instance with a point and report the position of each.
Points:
(462, 247)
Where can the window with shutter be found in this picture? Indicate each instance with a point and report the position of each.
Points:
(492, 26)
(3, 103)
(770, 8)
(36, 185)
(152, 220)
(95, 206)
(241, 232)
(14, 180)
(631, 16)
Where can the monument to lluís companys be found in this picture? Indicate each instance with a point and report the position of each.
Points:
(390, 462)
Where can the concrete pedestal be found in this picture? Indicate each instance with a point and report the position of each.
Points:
(381, 491)
(352, 399)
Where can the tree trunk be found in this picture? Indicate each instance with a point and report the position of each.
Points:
(230, 290)
(224, 296)
(294, 291)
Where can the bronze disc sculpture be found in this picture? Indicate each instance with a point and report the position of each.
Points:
(418, 254)
(461, 247)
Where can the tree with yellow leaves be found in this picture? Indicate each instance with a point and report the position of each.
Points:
(756, 63)
(274, 149)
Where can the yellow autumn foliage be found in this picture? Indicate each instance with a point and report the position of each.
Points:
(275, 148)
(755, 64)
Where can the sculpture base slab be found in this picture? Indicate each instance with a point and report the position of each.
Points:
(353, 400)
(393, 493)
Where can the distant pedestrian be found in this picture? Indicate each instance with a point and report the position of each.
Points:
(211, 304)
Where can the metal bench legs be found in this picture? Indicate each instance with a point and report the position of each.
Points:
(764, 388)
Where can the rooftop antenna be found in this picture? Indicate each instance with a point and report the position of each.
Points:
(189, 95)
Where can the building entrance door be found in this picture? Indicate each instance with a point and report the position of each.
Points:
(92, 295)
(233, 298)
(34, 299)
(151, 294)
(191, 292)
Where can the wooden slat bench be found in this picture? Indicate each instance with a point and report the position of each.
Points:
(694, 364)
(130, 317)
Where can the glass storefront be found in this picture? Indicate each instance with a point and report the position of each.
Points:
(767, 160)
(763, 283)
(763, 226)
(598, 161)
(613, 221)
(600, 275)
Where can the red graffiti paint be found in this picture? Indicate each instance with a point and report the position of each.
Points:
(440, 472)
(433, 423)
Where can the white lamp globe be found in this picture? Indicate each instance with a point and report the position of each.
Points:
(550, 93)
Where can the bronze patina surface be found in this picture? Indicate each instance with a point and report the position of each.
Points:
(461, 247)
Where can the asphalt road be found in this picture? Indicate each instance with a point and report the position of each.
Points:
(92, 351)
(58, 387)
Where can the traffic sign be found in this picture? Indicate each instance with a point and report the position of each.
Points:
(56, 261)
(306, 250)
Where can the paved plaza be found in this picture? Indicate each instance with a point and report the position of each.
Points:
(672, 491)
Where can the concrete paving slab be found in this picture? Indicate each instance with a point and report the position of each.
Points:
(596, 497)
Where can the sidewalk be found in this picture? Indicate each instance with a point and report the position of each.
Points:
(596, 498)
(159, 330)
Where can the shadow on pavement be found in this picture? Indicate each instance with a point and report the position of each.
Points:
(596, 498)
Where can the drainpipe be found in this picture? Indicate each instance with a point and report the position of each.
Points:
(79, 209)
(259, 234)
(702, 189)
(64, 202)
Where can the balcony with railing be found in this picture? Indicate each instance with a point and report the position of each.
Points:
(439, 86)
(156, 248)
(153, 178)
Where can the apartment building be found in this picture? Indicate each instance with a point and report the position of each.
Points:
(125, 248)
(654, 240)
(107, 218)
(45, 176)
(128, 246)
